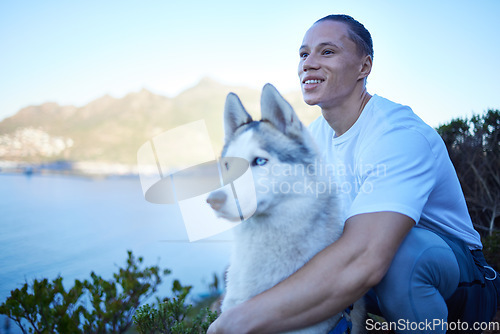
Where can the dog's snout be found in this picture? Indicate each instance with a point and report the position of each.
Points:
(216, 199)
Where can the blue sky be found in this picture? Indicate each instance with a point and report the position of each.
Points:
(439, 57)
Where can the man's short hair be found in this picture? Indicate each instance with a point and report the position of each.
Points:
(357, 32)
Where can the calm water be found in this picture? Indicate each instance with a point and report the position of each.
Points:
(51, 225)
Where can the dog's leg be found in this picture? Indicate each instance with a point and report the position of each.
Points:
(358, 317)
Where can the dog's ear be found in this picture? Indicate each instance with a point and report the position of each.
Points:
(235, 115)
(276, 110)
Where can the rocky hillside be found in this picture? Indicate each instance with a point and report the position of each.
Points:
(112, 129)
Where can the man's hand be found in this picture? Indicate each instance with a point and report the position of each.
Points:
(229, 322)
(213, 329)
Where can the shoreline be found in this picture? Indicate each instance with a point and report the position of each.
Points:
(97, 169)
(70, 168)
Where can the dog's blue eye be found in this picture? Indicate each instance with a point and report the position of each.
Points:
(259, 161)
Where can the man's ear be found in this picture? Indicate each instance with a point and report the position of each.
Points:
(366, 67)
(235, 115)
(277, 111)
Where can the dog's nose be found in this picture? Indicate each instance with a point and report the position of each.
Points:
(216, 199)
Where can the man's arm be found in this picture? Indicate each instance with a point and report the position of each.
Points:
(335, 278)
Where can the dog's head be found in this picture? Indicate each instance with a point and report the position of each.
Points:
(278, 149)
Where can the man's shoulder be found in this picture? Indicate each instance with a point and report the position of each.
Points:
(388, 117)
(388, 109)
(381, 101)
(395, 125)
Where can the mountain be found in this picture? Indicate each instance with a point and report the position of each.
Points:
(112, 129)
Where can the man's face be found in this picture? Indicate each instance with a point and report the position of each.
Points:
(330, 65)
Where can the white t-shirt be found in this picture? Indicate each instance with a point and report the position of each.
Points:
(390, 160)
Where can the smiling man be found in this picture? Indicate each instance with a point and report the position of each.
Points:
(333, 72)
(408, 240)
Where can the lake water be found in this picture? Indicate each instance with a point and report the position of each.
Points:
(54, 225)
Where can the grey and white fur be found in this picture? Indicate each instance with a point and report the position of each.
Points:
(293, 220)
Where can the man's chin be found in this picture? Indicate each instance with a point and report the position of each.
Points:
(310, 100)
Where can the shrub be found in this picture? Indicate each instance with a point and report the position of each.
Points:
(491, 250)
(95, 306)
(173, 316)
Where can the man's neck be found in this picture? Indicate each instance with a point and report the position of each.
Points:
(342, 117)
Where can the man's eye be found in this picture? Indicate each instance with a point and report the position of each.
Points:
(328, 52)
(304, 55)
(259, 161)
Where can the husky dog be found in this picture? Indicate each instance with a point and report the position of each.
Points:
(297, 213)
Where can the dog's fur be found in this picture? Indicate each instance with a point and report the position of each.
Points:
(293, 221)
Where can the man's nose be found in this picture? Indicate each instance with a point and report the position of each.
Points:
(310, 63)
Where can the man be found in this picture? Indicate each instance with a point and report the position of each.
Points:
(407, 232)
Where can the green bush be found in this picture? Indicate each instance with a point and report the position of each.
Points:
(108, 306)
(95, 306)
(474, 148)
(491, 250)
(173, 315)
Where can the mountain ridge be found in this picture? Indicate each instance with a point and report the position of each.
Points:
(111, 130)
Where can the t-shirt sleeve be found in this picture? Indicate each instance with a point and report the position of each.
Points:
(396, 173)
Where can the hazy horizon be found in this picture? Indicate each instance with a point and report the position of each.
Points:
(437, 57)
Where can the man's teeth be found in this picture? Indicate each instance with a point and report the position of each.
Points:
(313, 81)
